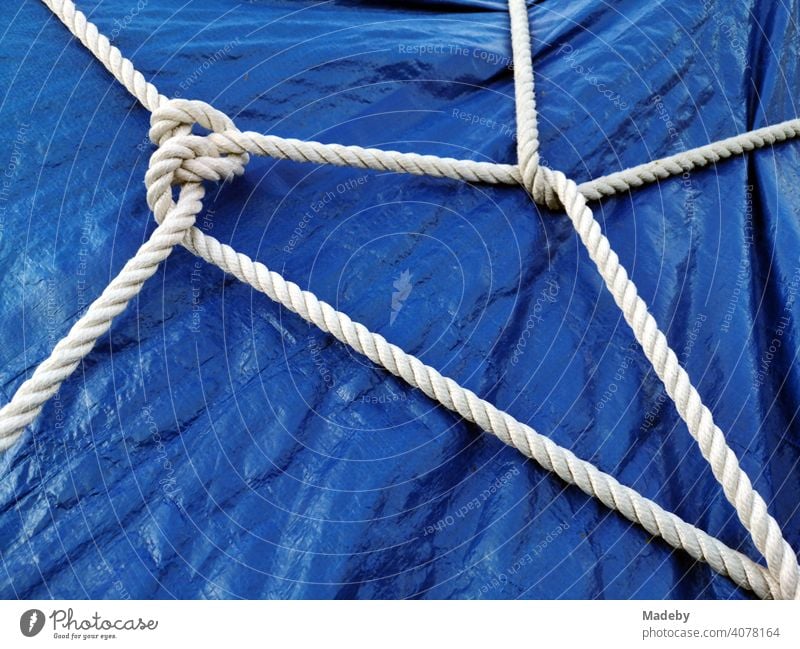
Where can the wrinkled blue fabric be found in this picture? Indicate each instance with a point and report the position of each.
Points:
(215, 445)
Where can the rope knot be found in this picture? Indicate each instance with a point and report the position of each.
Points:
(183, 157)
(178, 116)
(539, 180)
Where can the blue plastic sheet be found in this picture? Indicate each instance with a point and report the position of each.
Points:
(215, 445)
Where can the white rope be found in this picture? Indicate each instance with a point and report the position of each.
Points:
(174, 221)
(67, 354)
(235, 141)
(525, 103)
(109, 55)
(561, 461)
(186, 160)
(679, 163)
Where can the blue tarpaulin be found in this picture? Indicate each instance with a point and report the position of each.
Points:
(215, 445)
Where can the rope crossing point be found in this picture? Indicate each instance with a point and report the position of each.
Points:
(185, 160)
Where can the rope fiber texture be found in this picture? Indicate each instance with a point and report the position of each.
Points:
(185, 160)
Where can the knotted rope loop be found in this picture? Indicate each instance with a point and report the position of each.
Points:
(539, 180)
(184, 158)
(178, 116)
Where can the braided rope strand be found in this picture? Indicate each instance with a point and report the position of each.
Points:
(468, 170)
(684, 161)
(524, 93)
(200, 158)
(109, 55)
(177, 151)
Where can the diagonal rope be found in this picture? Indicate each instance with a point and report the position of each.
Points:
(29, 398)
(684, 161)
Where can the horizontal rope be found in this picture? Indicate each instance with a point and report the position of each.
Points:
(684, 161)
(193, 159)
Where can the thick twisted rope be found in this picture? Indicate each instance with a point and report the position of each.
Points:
(748, 503)
(182, 156)
(561, 461)
(234, 141)
(684, 161)
(525, 103)
(109, 55)
(187, 160)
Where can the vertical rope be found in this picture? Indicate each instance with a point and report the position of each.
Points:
(524, 95)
